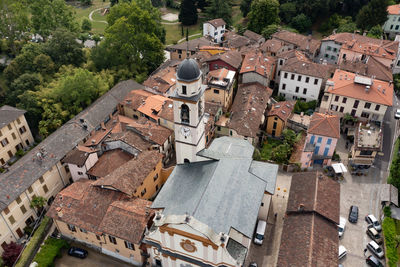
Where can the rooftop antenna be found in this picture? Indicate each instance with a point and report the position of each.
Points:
(187, 43)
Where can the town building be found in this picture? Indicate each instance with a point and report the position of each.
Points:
(207, 211)
(362, 97)
(310, 235)
(292, 40)
(162, 80)
(214, 29)
(230, 60)
(220, 87)
(273, 47)
(80, 161)
(255, 38)
(283, 57)
(178, 51)
(41, 173)
(214, 112)
(322, 136)
(303, 80)
(277, 117)
(235, 41)
(15, 133)
(257, 67)
(105, 219)
(370, 67)
(392, 24)
(248, 113)
(368, 140)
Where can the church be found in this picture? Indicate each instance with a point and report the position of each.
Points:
(206, 212)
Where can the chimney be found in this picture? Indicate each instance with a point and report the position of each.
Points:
(301, 207)
(367, 88)
(59, 212)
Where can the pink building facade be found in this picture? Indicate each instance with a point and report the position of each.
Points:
(318, 150)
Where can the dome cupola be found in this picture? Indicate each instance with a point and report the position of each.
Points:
(188, 70)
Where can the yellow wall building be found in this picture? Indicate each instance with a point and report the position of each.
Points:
(220, 87)
(277, 117)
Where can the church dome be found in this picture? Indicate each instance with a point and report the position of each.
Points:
(188, 70)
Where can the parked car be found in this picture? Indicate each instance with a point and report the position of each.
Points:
(341, 226)
(374, 235)
(78, 252)
(342, 251)
(353, 214)
(260, 231)
(375, 249)
(372, 220)
(397, 114)
(372, 261)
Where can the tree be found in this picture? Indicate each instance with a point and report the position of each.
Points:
(287, 11)
(84, 37)
(96, 38)
(375, 32)
(14, 21)
(269, 30)
(64, 49)
(263, 13)
(374, 13)
(397, 240)
(301, 23)
(245, 7)
(48, 15)
(133, 39)
(44, 65)
(25, 82)
(188, 12)
(201, 4)
(219, 9)
(86, 25)
(38, 202)
(11, 253)
(86, 2)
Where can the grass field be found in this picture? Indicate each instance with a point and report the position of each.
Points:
(83, 12)
(174, 32)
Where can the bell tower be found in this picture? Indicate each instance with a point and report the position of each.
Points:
(188, 112)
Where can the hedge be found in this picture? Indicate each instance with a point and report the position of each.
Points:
(49, 251)
(389, 232)
(34, 243)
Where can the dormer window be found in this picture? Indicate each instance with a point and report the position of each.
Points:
(184, 114)
(184, 90)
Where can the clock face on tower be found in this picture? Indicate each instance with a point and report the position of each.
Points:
(185, 131)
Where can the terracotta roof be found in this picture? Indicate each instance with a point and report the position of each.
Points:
(272, 45)
(216, 48)
(76, 157)
(8, 114)
(393, 9)
(147, 129)
(221, 78)
(193, 45)
(135, 98)
(374, 50)
(302, 42)
(96, 136)
(371, 67)
(211, 108)
(257, 62)
(234, 40)
(294, 65)
(109, 161)
(253, 36)
(249, 108)
(232, 58)
(131, 138)
(130, 175)
(167, 111)
(282, 109)
(162, 80)
(294, 54)
(311, 219)
(101, 211)
(216, 22)
(380, 92)
(201, 56)
(152, 106)
(325, 125)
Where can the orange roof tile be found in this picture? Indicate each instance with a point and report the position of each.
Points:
(393, 9)
(325, 125)
(282, 109)
(135, 98)
(343, 84)
(369, 49)
(152, 106)
(257, 62)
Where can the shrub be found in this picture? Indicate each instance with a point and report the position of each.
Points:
(34, 243)
(49, 251)
(335, 156)
(389, 232)
(11, 253)
(306, 107)
(19, 153)
(387, 211)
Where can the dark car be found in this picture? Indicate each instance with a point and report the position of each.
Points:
(353, 214)
(78, 252)
(372, 261)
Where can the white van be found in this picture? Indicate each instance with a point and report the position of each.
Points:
(259, 237)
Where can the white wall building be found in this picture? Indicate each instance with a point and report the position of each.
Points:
(392, 25)
(79, 161)
(215, 29)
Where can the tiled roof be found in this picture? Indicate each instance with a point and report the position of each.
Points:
(234, 40)
(211, 108)
(232, 58)
(28, 169)
(282, 109)
(131, 174)
(253, 36)
(248, 108)
(311, 220)
(302, 42)
(152, 106)
(393, 9)
(272, 45)
(194, 44)
(324, 125)
(312, 69)
(101, 211)
(131, 138)
(216, 22)
(371, 67)
(374, 50)
(76, 157)
(109, 161)
(294, 54)
(379, 92)
(135, 98)
(258, 62)
(9, 114)
(162, 80)
(167, 111)
(222, 78)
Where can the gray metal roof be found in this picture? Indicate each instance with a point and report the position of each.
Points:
(8, 114)
(221, 193)
(188, 70)
(28, 169)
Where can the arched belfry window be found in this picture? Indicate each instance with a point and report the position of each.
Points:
(184, 114)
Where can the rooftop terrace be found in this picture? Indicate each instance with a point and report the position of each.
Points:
(369, 136)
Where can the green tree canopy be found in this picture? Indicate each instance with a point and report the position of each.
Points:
(263, 13)
(301, 23)
(245, 7)
(269, 30)
(188, 12)
(376, 32)
(86, 25)
(38, 202)
(287, 11)
(25, 82)
(374, 13)
(48, 15)
(219, 9)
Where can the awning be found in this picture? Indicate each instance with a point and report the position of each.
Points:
(339, 168)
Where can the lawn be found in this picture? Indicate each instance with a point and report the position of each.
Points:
(174, 32)
(83, 12)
